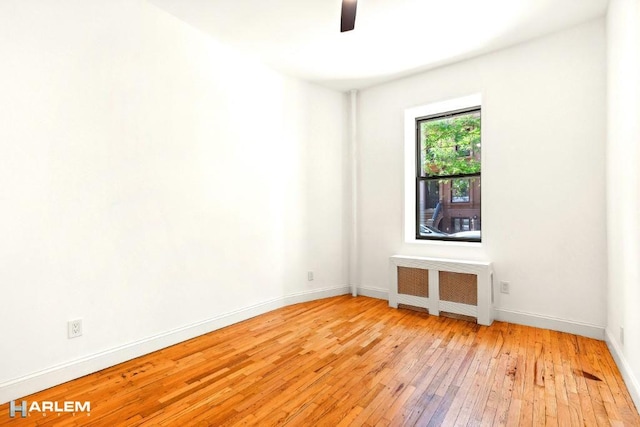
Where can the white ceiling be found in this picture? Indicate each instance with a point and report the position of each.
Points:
(392, 38)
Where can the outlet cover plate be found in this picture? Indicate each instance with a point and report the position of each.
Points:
(74, 328)
(504, 287)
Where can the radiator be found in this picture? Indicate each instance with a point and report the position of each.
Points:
(439, 285)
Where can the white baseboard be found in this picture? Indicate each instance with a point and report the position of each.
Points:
(373, 293)
(37, 381)
(306, 296)
(520, 318)
(632, 383)
(547, 322)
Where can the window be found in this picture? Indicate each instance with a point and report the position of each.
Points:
(460, 190)
(447, 181)
(461, 224)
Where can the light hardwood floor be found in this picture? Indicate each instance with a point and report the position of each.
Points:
(355, 362)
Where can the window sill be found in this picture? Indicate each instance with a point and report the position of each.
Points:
(443, 243)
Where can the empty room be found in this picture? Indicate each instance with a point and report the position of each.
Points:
(320, 212)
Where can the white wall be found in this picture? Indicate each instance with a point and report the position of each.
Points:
(543, 177)
(152, 179)
(623, 187)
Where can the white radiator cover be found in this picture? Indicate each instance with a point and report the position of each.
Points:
(482, 269)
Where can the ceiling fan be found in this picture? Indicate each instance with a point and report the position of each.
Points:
(348, 20)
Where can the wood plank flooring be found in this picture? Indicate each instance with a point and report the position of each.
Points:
(355, 362)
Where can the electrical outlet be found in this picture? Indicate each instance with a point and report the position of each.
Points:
(504, 287)
(74, 328)
(310, 276)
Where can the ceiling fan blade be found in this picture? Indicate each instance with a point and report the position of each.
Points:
(348, 21)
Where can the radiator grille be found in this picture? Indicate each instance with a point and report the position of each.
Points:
(458, 287)
(413, 281)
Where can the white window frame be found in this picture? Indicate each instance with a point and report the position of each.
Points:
(410, 116)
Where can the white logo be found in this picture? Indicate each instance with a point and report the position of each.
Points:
(69, 406)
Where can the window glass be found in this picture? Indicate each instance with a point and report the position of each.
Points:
(448, 176)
